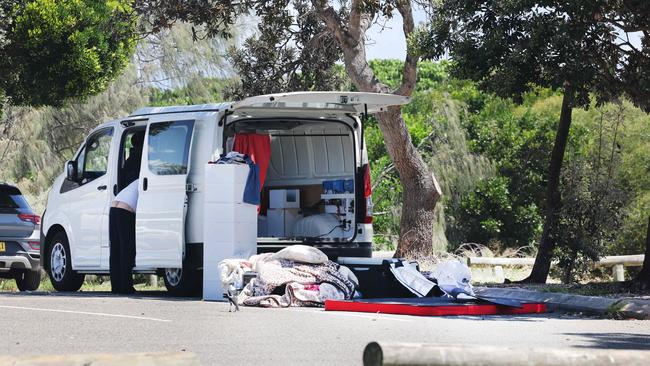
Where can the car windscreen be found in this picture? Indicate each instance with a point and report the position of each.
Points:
(11, 198)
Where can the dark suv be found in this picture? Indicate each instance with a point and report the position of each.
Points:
(19, 240)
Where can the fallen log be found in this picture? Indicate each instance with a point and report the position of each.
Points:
(414, 354)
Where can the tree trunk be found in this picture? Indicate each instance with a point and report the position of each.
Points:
(644, 275)
(547, 242)
(420, 188)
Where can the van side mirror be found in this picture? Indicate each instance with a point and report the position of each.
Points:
(71, 170)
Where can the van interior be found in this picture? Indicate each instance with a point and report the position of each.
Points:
(130, 156)
(309, 188)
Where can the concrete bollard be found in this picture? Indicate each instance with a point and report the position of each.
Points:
(619, 272)
(499, 276)
(441, 355)
(153, 280)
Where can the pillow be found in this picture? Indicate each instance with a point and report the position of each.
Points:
(302, 254)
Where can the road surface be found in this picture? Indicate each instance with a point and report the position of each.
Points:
(41, 323)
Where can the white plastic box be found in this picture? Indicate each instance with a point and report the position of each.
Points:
(284, 198)
(229, 224)
(280, 222)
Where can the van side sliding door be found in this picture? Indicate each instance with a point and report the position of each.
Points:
(160, 228)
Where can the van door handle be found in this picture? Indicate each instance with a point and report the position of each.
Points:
(145, 184)
(101, 188)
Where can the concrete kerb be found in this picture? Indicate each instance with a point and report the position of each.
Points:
(623, 308)
(136, 359)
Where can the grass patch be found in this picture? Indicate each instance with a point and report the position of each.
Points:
(91, 283)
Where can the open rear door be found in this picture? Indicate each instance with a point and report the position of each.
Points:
(321, 103)
(160, 229)
(343, 102)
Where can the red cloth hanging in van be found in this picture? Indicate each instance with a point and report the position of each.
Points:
(258, 147)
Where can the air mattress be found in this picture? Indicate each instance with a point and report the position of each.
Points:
(431, 306)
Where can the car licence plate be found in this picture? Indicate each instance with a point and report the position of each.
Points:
(2, 246)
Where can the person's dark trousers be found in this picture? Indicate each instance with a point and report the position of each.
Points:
(122, 255)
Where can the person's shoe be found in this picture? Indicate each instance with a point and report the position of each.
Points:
(130, 290)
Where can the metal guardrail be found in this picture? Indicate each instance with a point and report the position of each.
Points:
(617, 262)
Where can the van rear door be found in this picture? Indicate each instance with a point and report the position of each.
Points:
(321, 104)
(160, 228)
(332, 102)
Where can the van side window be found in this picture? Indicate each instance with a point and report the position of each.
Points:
(93, 159)
(169, 147)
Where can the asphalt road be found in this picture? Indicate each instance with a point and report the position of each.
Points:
(38, 324)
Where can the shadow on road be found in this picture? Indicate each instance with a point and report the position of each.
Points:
(142, 295)
(629, 341)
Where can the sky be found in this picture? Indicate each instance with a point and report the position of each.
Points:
(392, 36)
(389, 43)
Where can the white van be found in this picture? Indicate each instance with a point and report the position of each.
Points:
(316, 137)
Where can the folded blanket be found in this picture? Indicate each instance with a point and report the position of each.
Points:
(284, 283)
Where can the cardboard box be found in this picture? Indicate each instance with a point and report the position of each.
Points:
(310, 195)
(284, 198)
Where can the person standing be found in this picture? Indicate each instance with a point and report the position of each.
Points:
(121, 221)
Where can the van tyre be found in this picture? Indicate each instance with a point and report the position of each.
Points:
(28, 280)
(59, 265)
(182, 282)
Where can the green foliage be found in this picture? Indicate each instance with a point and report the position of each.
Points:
(278, 58)
(590, 217)
(636, 175)
(197, 91)
(434, 120)
(507, 208)
(510, 47)
(430, 74)
(491, 214)
(57, 50)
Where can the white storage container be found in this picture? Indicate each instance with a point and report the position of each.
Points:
(280, 222)
(226, 173)
(229, 224)
(284, 198)
(230, 212)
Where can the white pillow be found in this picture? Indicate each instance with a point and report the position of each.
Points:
(302, 254)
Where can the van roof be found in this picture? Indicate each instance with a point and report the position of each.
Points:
(346, 102)
(215, 107)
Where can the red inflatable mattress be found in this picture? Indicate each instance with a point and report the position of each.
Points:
(431, 307)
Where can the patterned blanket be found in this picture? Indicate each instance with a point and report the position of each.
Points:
(284, 283)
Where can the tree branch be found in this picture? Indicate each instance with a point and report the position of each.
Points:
(409, 73)
(355, 19)
(333, 22)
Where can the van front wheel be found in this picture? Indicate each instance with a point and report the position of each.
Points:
(59, 268)
(182, 281)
